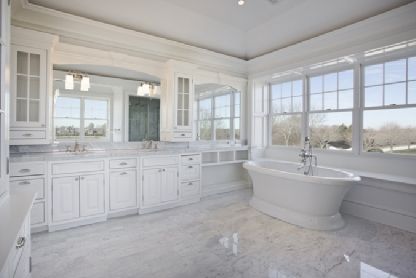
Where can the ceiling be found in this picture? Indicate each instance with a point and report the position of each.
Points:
(258, 27)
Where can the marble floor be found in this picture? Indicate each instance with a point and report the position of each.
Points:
(222, 236)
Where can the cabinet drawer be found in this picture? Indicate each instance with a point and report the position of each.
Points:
(77, 167)
(190, 188)
(21, 169)
(183, 134)
(160, 161)
(37, 215)
(37, 185)
(190, 172)
(27, 134)
(191, 159)
(123, 163)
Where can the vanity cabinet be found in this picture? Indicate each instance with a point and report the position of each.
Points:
(65, 198)
(32, 175)
(160, 181)
(177, 99)
(123, 189)
(30, 101)
(77, 196)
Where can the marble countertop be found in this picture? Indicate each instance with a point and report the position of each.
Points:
(55, 156)
(13, 211)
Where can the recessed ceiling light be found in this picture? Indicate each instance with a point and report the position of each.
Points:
(241, 2)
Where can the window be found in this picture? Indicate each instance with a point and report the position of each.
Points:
(331, 100)
(389, 108)
(219, 116)
(81, 118)
(287, 108)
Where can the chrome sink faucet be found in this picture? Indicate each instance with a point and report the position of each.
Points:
(307, 156)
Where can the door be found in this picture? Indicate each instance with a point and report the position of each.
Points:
(184, 98)
(28, 87)
(169, 184)
(123, 190)
(151, 186)
(91, 191)
(65, 198)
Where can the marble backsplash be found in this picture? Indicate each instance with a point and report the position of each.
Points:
(106, 146)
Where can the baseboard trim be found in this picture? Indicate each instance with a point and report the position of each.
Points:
(169, 206)
(38, 229)
(383, 216)
(226, 187)
(121, 213)
(77, 223)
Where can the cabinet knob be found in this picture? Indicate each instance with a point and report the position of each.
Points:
(24, 170)
(20, 242)
(77, 179)
(123, 163)
(190, 167)
(164, 170)
(82, 178)
(27, 134)
(190, 158)
(189, 183)
(183, 134)
(123, 173)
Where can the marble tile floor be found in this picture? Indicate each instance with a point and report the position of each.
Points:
(222, 236)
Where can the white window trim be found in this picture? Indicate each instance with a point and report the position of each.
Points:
(82, 138)
(357, 110)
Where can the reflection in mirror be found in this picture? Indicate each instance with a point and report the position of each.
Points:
(218, 112)
(144, 119)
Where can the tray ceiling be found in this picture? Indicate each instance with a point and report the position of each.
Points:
(258, 27)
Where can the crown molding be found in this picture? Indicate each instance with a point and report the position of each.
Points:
(80, 31)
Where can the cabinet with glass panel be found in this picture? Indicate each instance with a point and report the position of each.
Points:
(176, 119)
(30, 94)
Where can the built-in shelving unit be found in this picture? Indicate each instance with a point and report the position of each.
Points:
(219, 157)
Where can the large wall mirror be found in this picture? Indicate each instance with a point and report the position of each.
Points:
(217, 113)
(104, 104)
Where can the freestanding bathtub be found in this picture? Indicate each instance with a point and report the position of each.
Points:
(282, 191)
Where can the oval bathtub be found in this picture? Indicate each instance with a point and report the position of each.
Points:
(282, 191)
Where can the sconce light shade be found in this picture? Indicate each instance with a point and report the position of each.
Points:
(69, 81)
(85, 84)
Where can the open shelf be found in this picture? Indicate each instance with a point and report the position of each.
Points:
(226, 156)
(221, 157)
(209, 157)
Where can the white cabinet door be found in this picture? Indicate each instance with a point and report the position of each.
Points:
(91, 195)
(65, 198)
(28, 98)
(151, 186)
(123, 190)
(169, 184)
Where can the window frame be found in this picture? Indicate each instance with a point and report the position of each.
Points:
(82, 137)
(358, 103)
(375, 61)
(302, 113)
(333, 69)
(213, 118)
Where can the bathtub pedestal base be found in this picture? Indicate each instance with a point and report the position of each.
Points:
(307, 221)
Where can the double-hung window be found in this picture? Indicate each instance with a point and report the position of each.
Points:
(219, 116)
(287, 108)
(389, 107)
(81, 118)
(331, 101)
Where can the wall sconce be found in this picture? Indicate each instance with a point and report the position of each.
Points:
(85, 83)
(69, 81)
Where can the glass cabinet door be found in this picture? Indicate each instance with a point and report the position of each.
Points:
(183, 113)
(29, 87)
